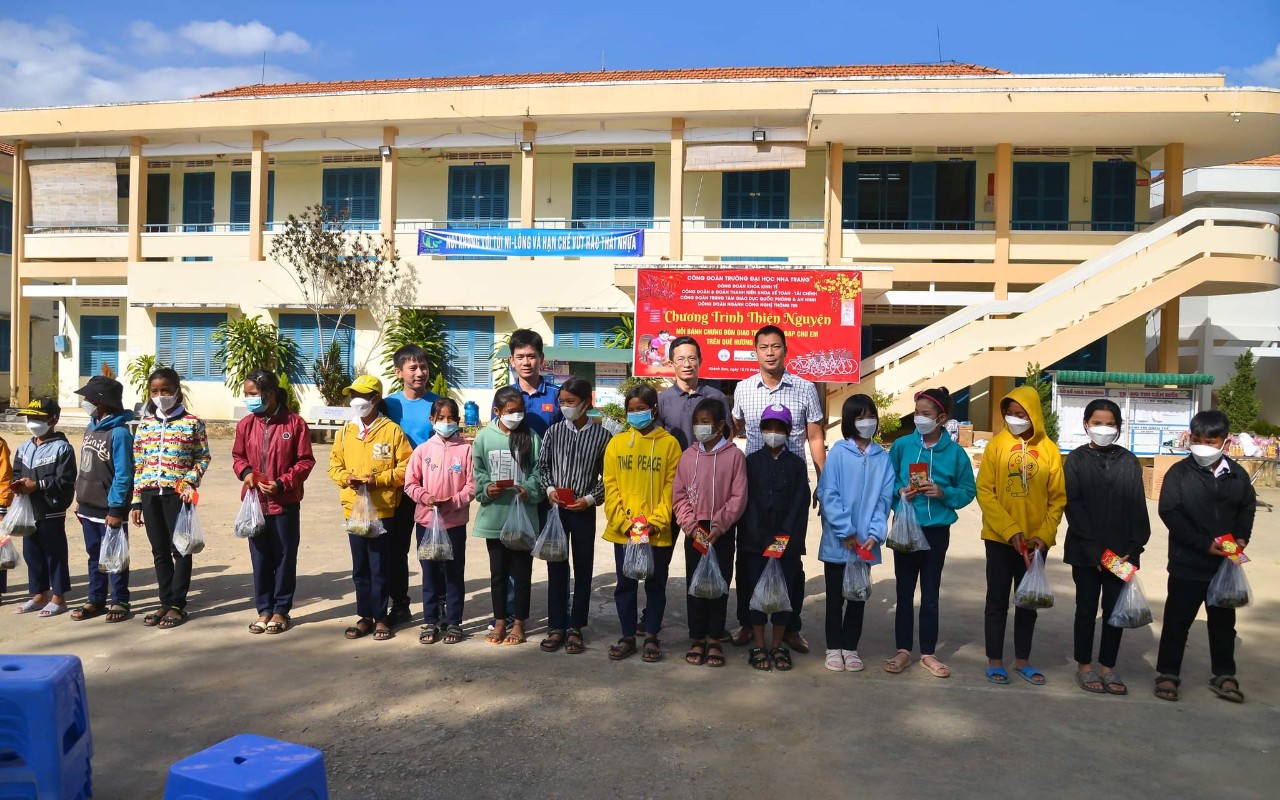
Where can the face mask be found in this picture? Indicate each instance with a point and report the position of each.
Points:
(705, 433)
(446, 429)
(89, 408)
(867, 427)
(1017, 425)
(512, 421)
(639, 419)
(572, 413)
(925, 425)
(773, 439)
(1103, 435)
(37, 429)
(255, 405)
(165, 402)
(1205, 455)
(360, 407)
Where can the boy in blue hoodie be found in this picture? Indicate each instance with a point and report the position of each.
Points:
(103, 490)
(943, 483)
(855, 491)
(44, 469)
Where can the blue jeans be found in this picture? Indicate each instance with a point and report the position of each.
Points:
(627, 595)
(274, 553)
(580, 526)
(444, 581)
(93, 533)
(370, 560)
(45, 552)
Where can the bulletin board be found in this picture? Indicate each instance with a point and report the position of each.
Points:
(1151, 416)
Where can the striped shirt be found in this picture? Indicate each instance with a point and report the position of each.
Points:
(800, 396)
(573, 458)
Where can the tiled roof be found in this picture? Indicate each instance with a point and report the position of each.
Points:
(615, 76)
(6, 149)
(1265, 161)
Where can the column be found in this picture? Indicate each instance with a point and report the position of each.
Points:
(1004, 218)
(1167, 349)
(1000, 386)
(20, 316)
(676, 211)
(259, 173)
(137, 197)
(387, 203)
(833, 218)
(1174, 164)
(528, 160)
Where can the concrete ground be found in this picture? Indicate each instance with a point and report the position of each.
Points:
(398, 719)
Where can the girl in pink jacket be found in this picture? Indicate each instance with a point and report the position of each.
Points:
(710, 495)
(440, 481)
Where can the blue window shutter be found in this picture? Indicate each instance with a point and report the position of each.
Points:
(184, 341)
(924, 182)
(197, 201)
(271, 198)
(583, 331)
(4, 345)
(1114, 195)
(849, 195)
(479, 194)
(756, 199)
(731, 199)
(613, 194)
(313, 342)
(241, 185)
(470, 343)
(99, 343)
(6, 226)
(335, 187)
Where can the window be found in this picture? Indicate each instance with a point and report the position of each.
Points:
(756, 199)
(4, 345)
(122, 185)
(197, 201)
(1114, 195)
(241, 188)
(184, 341)
(6, 226)
(584, 331)
(470, 345)
(353, 192)
(99, 343)
(901, 195)
(1091, 357)
(613, 195)
(313, 341)
(1040, 196)
(479, 194)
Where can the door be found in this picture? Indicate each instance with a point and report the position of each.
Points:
(955, 199)
(241, 199)
(158, 200)
(1114, 195)
(479, 197)
(756, 199)
(613, 195)
(197, 202)
(353, 193)
(1040, 201)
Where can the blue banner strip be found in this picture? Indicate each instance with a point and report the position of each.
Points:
(531, 242)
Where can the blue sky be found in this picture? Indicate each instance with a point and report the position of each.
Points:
(86, 52)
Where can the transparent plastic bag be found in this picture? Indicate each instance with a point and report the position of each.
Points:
(517, 532)
(8, 552)
(113, 557)
(249, 521)
(1034, 591)
(364, 520)
(857, 580)
(772, 596)
(1132, 609)
(553, 542)
(20, 520)
(436, 545)
(637, 561)
(906, 535)
(708, 581)
(187, 538)
(1229, 587)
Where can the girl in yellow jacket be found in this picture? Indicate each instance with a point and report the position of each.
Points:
(371, 454)
(639, 473)
(1022, 494)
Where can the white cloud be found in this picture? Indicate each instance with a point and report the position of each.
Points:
(149, 39)
(52, 65)
(1265, 72)
(251, 38)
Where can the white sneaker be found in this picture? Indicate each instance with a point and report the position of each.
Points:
(852, 662)
(835, 660)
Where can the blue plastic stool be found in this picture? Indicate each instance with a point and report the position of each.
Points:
(45, 746)
(249, 767)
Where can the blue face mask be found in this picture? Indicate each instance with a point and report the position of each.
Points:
(255, 405)
(446, 429)
(639, 419)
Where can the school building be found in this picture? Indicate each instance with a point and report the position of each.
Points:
(998, 218)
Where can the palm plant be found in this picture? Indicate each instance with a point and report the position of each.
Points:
(246, 344)
(415, 326)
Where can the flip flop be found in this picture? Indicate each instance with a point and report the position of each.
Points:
(1114, 684)
(998, 676)
(53, 610)
(1083, 679)
(1030, 673)
(28, 607)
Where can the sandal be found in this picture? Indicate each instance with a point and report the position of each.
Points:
(516, 635)
(383, 634)
(938, 670)
(998, 676)
(153, 619)
(259, 625)
(362, 628)
(758, 658)
(117, 612)
(454, 634)
(574, 645)
(852, 661)
(554, 640)
(1031, 675)
(1114, 684)
(168, 622)
(86, 611)
(782, 659)
(835, 660)
(898, 663)
(28, 607)
(715, 654)
(496, 635)
(1167, 687)
(697, 655)
(625, 648)
(1218, 685)
(279, 626)
(652, 650)
(1090, 682)
(53, 609)
(430, 634)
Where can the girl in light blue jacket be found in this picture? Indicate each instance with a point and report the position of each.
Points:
(855, 490)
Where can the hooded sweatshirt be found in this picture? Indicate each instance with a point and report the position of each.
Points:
(639, 475)
(441, 469)
(1197, 507)
(381, 450)
(855, 491)
(105, 484)
(710, 485)
(492, 460)
(1020, 483)
(949, 468)
(1106, 506)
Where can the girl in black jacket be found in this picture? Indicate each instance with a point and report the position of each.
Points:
(1106, 510)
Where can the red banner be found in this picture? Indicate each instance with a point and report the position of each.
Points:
(819, 310)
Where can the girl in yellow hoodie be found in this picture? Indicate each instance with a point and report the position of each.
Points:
(1022, 494)
(639, 473)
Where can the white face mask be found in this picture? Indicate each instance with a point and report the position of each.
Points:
(867, 427)
(1205, 455)
(1017, 425)
(925, 425)
(89, 408)
(37, 429)
(773, 439)
(165, 402)
(573, 413)
(705, 433)
(1104, 435)
(512, 421)
(360, 407)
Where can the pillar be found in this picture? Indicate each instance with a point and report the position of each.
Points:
(20, 315)
(1167, 349)
(1004, 218)
(833, 218)
(137, 197)
(527, 185)
(389, 188)
(1174, 164)
(1000, 386)
(676, 212)
(258, 189)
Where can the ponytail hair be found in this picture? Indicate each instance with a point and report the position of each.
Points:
(268, 384)
(940, 397)
(520, 437)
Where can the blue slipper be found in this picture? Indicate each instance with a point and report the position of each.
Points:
(1030, 673)
(998, 676)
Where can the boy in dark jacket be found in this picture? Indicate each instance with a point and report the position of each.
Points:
(103, 490)
(44, 469)
(1205, 496)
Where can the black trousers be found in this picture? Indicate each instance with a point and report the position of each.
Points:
(706, 617)
(1005, 567)
(1180, 610)
(506, 565)
(173, 571)
(926, 568)
(1090, 583)
(400, 530)
(844, 617)
(580, 527)
(745, 586)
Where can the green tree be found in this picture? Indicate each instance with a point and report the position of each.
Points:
(889, 423)
(246, 344)
(1038, 379)
(139, 370)
(623, 335)
(1238, 398)
(332, 376)
(500, 367)
(423, 328)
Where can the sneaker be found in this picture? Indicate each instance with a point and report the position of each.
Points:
(852, 662)
(835, 660)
